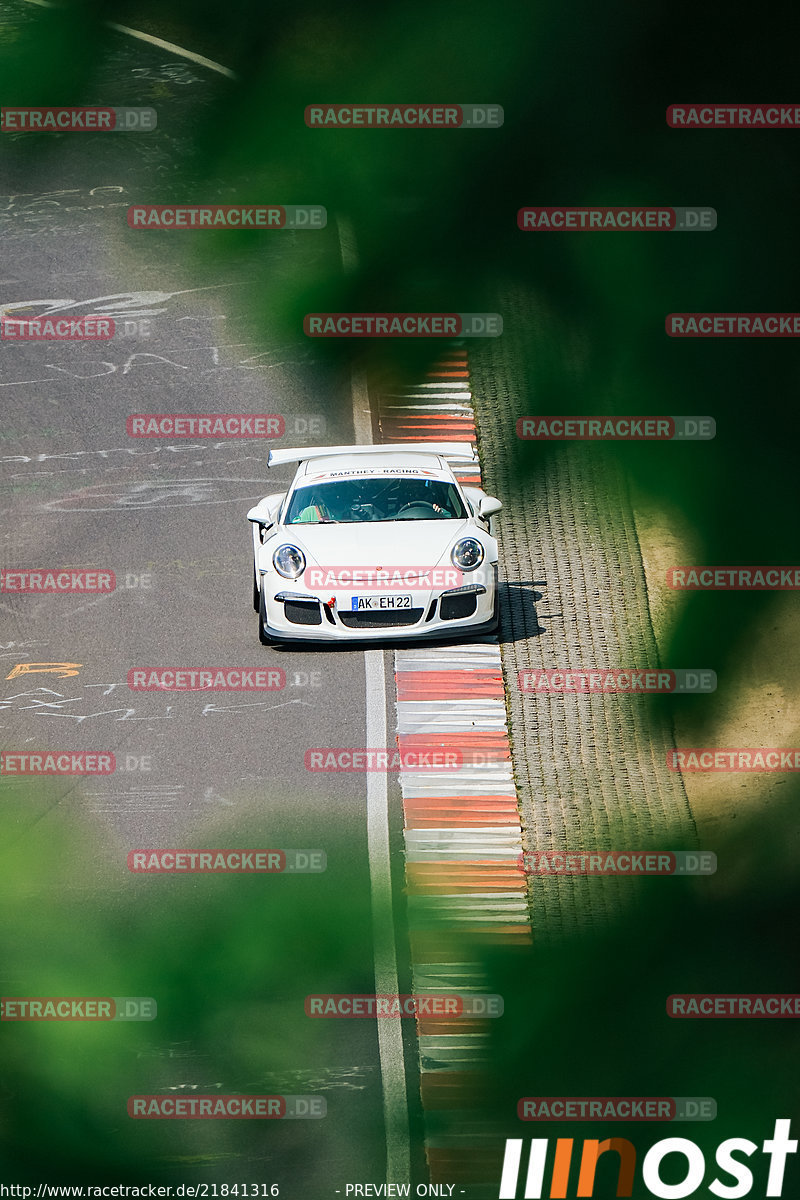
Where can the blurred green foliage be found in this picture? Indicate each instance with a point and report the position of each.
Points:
(584, 88)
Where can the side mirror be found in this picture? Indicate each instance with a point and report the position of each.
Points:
(488, 506)
(265, 512)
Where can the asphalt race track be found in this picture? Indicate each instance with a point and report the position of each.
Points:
(167, 516)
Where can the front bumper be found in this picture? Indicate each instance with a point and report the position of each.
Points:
(294, 614)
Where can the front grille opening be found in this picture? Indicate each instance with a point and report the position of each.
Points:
(302, 612)
(383, 619)
(453, 608)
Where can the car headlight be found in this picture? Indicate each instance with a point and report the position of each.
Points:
(289, 562)
(467, 554)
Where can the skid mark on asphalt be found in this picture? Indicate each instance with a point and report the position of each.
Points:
(132, 497)
(144, 798)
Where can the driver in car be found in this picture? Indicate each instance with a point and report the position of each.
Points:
(420, 491)
(335, 504)
(315, 511)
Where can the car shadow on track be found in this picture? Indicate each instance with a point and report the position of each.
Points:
(519, 616)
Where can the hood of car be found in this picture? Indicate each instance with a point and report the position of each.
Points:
(376, 543)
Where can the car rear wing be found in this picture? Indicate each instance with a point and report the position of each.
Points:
(452, 451)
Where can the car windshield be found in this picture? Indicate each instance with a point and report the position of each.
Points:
(375, 498)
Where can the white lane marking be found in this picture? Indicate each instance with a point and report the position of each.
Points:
(478, 659)
(444, 727)
(424, 396)
(466, 780)
(347, 245)
(428, 716)
(453, 976)
(428, 408)
(173, 49)
(480, 906)
(390, 1042)
(455, 844)
(390, 1037)
(155, 41)
(464, 650)
(453, 1039)
(362, 418)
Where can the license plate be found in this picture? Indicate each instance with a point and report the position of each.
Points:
(368, 603)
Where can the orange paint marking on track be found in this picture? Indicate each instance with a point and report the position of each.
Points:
(444, 685)
(440, 1088)
(428, 436)
(465, 1164)
(463, 812)
(460, 737)
(449, 878)
(436, 420)
(452, 429)
(436, 1027)
(437, 414)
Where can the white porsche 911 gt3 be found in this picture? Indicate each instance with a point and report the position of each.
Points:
(374, 542)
